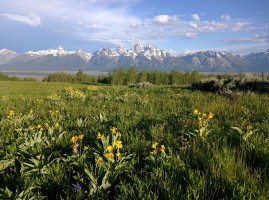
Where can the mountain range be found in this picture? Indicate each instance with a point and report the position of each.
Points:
(149, 57)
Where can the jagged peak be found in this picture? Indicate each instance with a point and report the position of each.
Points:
(121, 49)
(138, 47)
(6, 51)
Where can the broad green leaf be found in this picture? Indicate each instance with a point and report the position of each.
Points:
(6, 163)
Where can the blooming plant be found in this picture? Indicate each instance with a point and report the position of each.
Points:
(158, 156)
(76, 143)
(110, 161)
(203, 124)
(74, 94)
(245, 135)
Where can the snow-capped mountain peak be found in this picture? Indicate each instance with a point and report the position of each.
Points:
(138, 47)
(85, 56)
(6, 55)
(106, 51)
(54, 52)
(2, 51)
(121, 49)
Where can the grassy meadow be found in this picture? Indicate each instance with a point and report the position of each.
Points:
(81, 141)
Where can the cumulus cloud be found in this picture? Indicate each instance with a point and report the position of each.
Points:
(226, 17)
(31, 19)
(195, 17)
(164, 19)
(193, 25)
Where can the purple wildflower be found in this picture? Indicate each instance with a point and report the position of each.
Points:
(78, 187)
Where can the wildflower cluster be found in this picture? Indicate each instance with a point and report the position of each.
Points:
(111, 146)
(74, 94)
(75, 140)
(203, 118)
(56, 112)
(54, 97)
(110, 162)
(91, 88)
(29, 122)
(155, 150)
(31, 128)
(203, 123)
(10, 114)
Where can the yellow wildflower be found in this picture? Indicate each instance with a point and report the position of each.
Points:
(46, 125)
(119, 144)
(195, 111)
(118, 154)
(154, 152)
(31, 128)
(204, 115)
(11, 113)
(109, 155)
(86, 148)
(108, 148)
(57, 125)
(31, 111)
(98, 136)
(81, 136)
(98, 161)
(162, 148)
(211, 115)
(38, 157)
(249, 127)
(91, 87)
(18, 129)
(74, 139)
(154, 145)
(113, 130)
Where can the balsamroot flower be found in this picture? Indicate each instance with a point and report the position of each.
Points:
(162, 149)
(108, 148)
(154, 145)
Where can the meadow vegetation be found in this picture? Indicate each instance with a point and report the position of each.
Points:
(86, 141)
(5, 77)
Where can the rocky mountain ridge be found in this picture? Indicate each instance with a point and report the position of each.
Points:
(148, 57)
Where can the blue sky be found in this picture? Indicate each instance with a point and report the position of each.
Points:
(177, 26)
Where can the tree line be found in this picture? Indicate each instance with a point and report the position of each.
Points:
(127, 76)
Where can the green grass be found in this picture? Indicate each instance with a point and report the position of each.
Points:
(39, 160)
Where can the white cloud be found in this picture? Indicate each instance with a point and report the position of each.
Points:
(226, 17)
(164, 19)
(195, 17)
(237, 26)
(32, 19)
(193, 25)
(190, 35)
